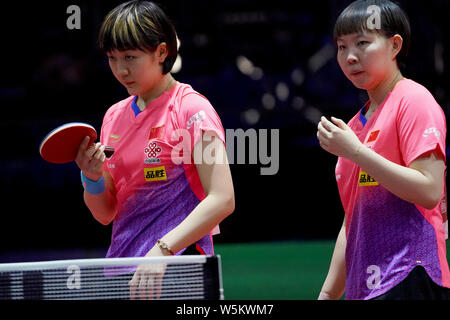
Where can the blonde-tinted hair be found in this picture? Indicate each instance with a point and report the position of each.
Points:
(139, 25)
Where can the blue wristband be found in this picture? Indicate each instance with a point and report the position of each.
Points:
(93, 187)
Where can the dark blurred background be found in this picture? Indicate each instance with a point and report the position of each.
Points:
(262, 66)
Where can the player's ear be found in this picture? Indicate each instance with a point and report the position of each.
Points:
(397, 45)
(162, 52)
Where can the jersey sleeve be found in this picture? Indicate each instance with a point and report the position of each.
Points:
(198, 116)
(421, 127)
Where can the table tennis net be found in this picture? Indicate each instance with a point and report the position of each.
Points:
(185, 278)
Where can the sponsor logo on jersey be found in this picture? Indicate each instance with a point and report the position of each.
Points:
(365, 180)
(151, 152)
(196, 118)
(434, 131)
(114, 138)
(155, 174)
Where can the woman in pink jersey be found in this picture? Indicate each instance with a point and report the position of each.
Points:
(391, 167)
(163, 188)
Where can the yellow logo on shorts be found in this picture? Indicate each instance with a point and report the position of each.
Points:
(365, 180)
(155, 174)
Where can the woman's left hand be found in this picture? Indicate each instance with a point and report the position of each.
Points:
(146, 283)
(337, 138)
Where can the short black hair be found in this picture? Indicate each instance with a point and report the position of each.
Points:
(394, 20)
(139, 25)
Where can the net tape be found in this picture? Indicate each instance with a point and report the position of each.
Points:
(184, 277)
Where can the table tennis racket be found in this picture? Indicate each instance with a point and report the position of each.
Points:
(61, 144)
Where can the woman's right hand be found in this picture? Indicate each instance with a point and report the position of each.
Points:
(90, 159)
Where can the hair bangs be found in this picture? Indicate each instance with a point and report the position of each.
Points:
(352, 20)
(122, 31)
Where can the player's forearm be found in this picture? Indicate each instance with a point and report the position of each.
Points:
(208, 214)
(408, 184)
(334, 285)
(102, 206)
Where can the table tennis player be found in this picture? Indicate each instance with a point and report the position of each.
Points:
(391, 167)
(157, 206)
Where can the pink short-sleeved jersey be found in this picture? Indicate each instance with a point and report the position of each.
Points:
(386, 236)
(154, 192)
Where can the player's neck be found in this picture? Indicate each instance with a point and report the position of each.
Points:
(164, 85)
(378, 94)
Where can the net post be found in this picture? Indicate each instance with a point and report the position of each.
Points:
(213, 284)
